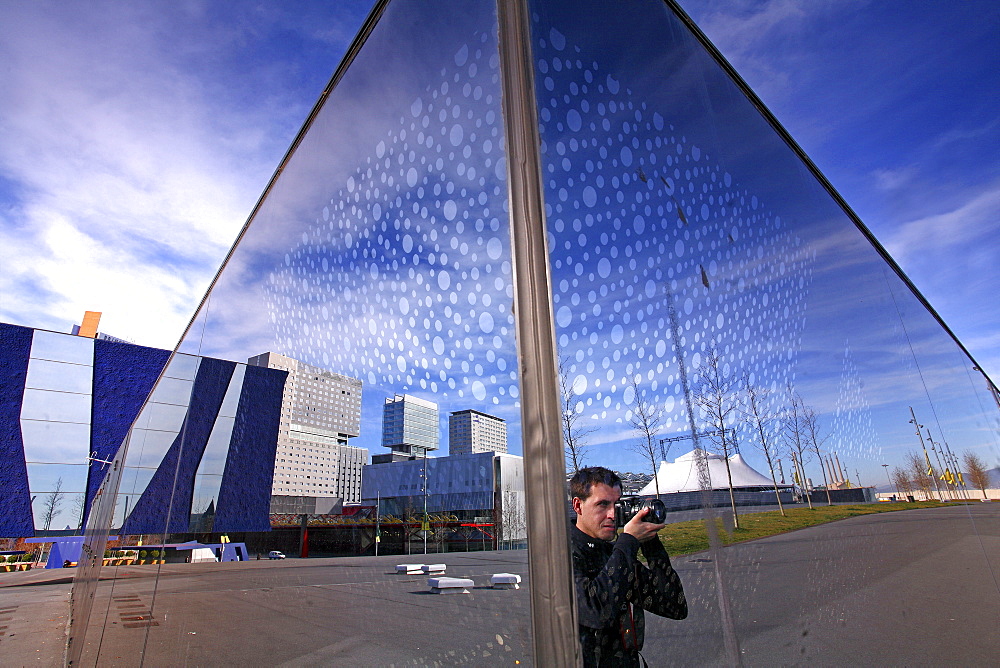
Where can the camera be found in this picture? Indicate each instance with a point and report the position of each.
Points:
(628, 506)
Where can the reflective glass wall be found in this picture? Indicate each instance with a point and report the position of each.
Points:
(380, 255)
(720, 320)
(717, 310)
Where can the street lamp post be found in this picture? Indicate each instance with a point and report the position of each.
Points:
(426, 524)
(887, 477)
(930, 472)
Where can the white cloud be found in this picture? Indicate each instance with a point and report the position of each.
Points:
(954, 230)
(892, 179)
(131, 165)
(761, 37)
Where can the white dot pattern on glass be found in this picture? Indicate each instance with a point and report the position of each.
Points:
(636, 213)
(407, 269)
(853, 428)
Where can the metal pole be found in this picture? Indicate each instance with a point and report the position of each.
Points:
(954, 459)
(553, 604)
(918, 427)
(425, 526)
(885, 467)
(937, 456)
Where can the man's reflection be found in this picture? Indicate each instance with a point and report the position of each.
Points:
(612, 586)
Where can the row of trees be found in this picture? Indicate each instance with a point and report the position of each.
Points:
(913, 477)
(731, 406)
(728, 407)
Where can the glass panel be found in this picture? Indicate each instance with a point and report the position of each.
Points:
(55, 406)
(62, 348)
(232, 399)
(378, 266)
(57, 491)
(173, 391)
(729, 339)
(158, 416)
(208, 480)
(183, 367)
(61, 376)
(218, 446)
(55, 442)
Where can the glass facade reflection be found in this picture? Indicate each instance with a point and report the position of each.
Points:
(715, 309)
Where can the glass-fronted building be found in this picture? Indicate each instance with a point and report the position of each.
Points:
(409, 427)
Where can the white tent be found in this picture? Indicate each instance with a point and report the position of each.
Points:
(682, 475)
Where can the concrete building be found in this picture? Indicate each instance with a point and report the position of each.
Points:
(472, 431)
(409, 428)
(320, 412)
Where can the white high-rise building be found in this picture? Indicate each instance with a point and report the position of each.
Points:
(472, 431)
(409, 428)
(320, 412)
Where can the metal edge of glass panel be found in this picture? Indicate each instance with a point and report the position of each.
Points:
(102, 512)
(553, 605)
(787, 138)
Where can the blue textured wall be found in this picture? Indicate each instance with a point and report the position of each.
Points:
(15, 502)
(245, 496)
(124, 374)
(151, 510)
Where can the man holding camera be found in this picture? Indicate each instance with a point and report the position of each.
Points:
(612, 586)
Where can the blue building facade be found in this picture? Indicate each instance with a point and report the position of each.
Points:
(200, 448)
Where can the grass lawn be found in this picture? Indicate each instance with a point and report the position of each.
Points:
(687, 537)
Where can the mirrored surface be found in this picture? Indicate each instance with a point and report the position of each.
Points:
(51, 406)
(57, 492)
(729, 341)
(60, 376)
(375, 277)
(729, 337)
(58, 347)
(55, 442)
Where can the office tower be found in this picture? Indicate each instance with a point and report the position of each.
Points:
(320, 412)
(409, 428)
(472, 431)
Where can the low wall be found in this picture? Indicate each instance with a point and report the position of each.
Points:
(720, 498)
(993, 494)
(853, 495)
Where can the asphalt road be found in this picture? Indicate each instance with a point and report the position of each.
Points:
(909, 588)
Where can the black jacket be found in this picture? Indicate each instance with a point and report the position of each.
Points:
(613, 588)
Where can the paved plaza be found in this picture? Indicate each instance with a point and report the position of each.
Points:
(906, 588)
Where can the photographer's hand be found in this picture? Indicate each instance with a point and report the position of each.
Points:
(641, 530)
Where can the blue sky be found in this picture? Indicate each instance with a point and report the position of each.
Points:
(135, 139)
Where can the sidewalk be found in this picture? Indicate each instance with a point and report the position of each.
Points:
(34, 614)
(37, 576)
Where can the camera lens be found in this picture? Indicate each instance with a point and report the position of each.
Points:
(657, 511)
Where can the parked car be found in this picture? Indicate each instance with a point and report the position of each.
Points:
(274, 554)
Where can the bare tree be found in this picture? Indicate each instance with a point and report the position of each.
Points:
(902, 481)
(811, 423)
(794, 433)
(718, 398)
(574, 434)
(762, 419)
(512, 518)
(51, 504)
(918, 472)
(646, 421)
(79, 505)
(975, 471)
